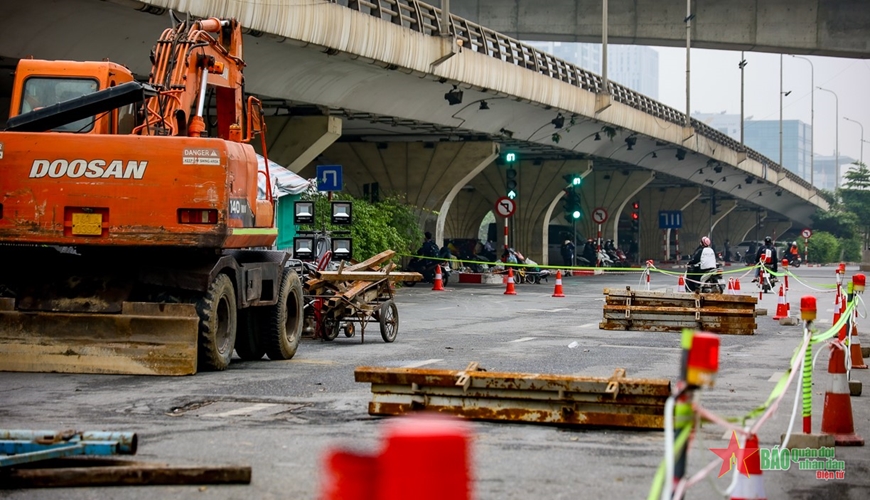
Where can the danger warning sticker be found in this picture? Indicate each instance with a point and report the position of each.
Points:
(201, 157)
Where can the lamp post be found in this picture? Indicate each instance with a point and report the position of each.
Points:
(742, 64)
(812, 116)
(781, 95)
(836, 138)
(862, 136)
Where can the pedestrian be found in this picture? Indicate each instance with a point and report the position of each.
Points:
(568, 253)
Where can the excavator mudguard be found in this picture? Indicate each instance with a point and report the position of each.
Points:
(144, 339)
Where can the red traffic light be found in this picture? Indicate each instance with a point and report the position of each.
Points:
(635, 205)
(635, 216)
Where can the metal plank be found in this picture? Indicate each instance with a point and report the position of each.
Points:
(617, 401)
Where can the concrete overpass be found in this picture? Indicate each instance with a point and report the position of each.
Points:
(836, 28)
(365, 87)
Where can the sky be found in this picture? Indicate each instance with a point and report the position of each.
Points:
(715, 87)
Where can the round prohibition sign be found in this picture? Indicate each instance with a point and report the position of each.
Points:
(806, 233)
(599, 215)
(505, 206)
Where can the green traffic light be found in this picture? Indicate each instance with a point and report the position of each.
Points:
(510, 157)
(576, 181)
(576, 214)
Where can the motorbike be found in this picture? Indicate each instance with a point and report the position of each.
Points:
(767, 282)
(794, 260)
(427, 267)
(709, 282)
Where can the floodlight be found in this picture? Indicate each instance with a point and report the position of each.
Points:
(342, 248)
(303, 212)
(303, 247)
(342, 213)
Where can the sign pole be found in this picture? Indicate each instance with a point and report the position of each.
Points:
(506, 233)
(806, 250)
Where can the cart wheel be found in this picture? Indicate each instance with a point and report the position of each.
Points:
(410, 283)
(388, 316)
(331, 327)
(349, 330)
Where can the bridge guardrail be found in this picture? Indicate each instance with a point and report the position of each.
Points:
(425, 18)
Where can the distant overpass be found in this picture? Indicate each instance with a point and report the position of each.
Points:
(835, 28)
(365, 87)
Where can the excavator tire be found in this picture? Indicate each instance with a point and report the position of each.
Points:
(284, 319)
(217, 325)
(249, 346)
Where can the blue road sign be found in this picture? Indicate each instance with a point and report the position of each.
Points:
(329, 178)
(670, 219)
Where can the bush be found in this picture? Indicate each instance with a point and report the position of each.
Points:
(824, 248)
(852, 247)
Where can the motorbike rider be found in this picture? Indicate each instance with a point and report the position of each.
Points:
(702, 261)
(589, 252)
(767, 256)
(567, 251)
(793, 252)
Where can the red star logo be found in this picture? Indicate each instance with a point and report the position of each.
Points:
(733, 454)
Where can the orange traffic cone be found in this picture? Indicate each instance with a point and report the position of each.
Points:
(750, 486)
(837, 308)
(736, 284)
(730, 289)
(681, 285)
(439, 285)
(558, 292)
(781, 310)
(837, 413)
(510, 283)
(855, 348)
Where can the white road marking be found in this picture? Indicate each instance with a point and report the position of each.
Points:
(418, 364)
(588, 325)
(561, 309)
(247, 410)
(642, 347)
(524, 339)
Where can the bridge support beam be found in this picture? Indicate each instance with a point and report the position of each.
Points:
(295, 141)
(652, 200)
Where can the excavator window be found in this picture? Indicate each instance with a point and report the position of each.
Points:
(40, 92)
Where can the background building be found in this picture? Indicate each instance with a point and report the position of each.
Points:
(824, 167)
(634, 66)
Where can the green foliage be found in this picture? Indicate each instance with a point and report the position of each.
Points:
(824, 248)
(387, 225)
(857, 178)
(852, 248)
(842, 223)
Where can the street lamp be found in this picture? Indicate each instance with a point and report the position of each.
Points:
(836, 138)
(862, 136)
(781, 95)
(812, 116)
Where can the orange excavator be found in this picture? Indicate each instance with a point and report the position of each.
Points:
(133, 235)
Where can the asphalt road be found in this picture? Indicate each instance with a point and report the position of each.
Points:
(281, 417)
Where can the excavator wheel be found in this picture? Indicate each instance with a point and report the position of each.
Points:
(249, 346)
(217, 325)
(284, 319)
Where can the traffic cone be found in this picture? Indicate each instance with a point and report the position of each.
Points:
(439, 285)
(558, 292)
(730, 289)
(837, 413)
(855, 348)
(836, 308)
(681, 285)
(736, 284)
(781, 311)
(751, 485)
(510, 283)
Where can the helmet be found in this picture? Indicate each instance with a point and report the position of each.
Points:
(767, 240)
(705, 241)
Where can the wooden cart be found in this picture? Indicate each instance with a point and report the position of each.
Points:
(359, 293)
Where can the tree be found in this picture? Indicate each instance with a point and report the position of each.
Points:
(856, 199)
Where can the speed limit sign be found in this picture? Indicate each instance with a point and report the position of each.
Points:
(806, 233)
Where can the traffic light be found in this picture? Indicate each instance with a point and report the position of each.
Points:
(510, 157)
(635, 216)
(714, 204)
(511, 182)
(573, 180)
(571, 205)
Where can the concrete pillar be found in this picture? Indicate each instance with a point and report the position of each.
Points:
(451, 196)
(776, 228)
(295, 141)
(696, 223)
(653, 200)
(673, 234)
(421, 173)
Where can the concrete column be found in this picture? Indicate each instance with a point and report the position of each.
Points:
(776, 228)
(295, 141)
(696, 223)
(451, 196)
(422, 173)
(653, 200)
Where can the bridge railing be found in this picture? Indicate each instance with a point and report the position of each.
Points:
(425, 18)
